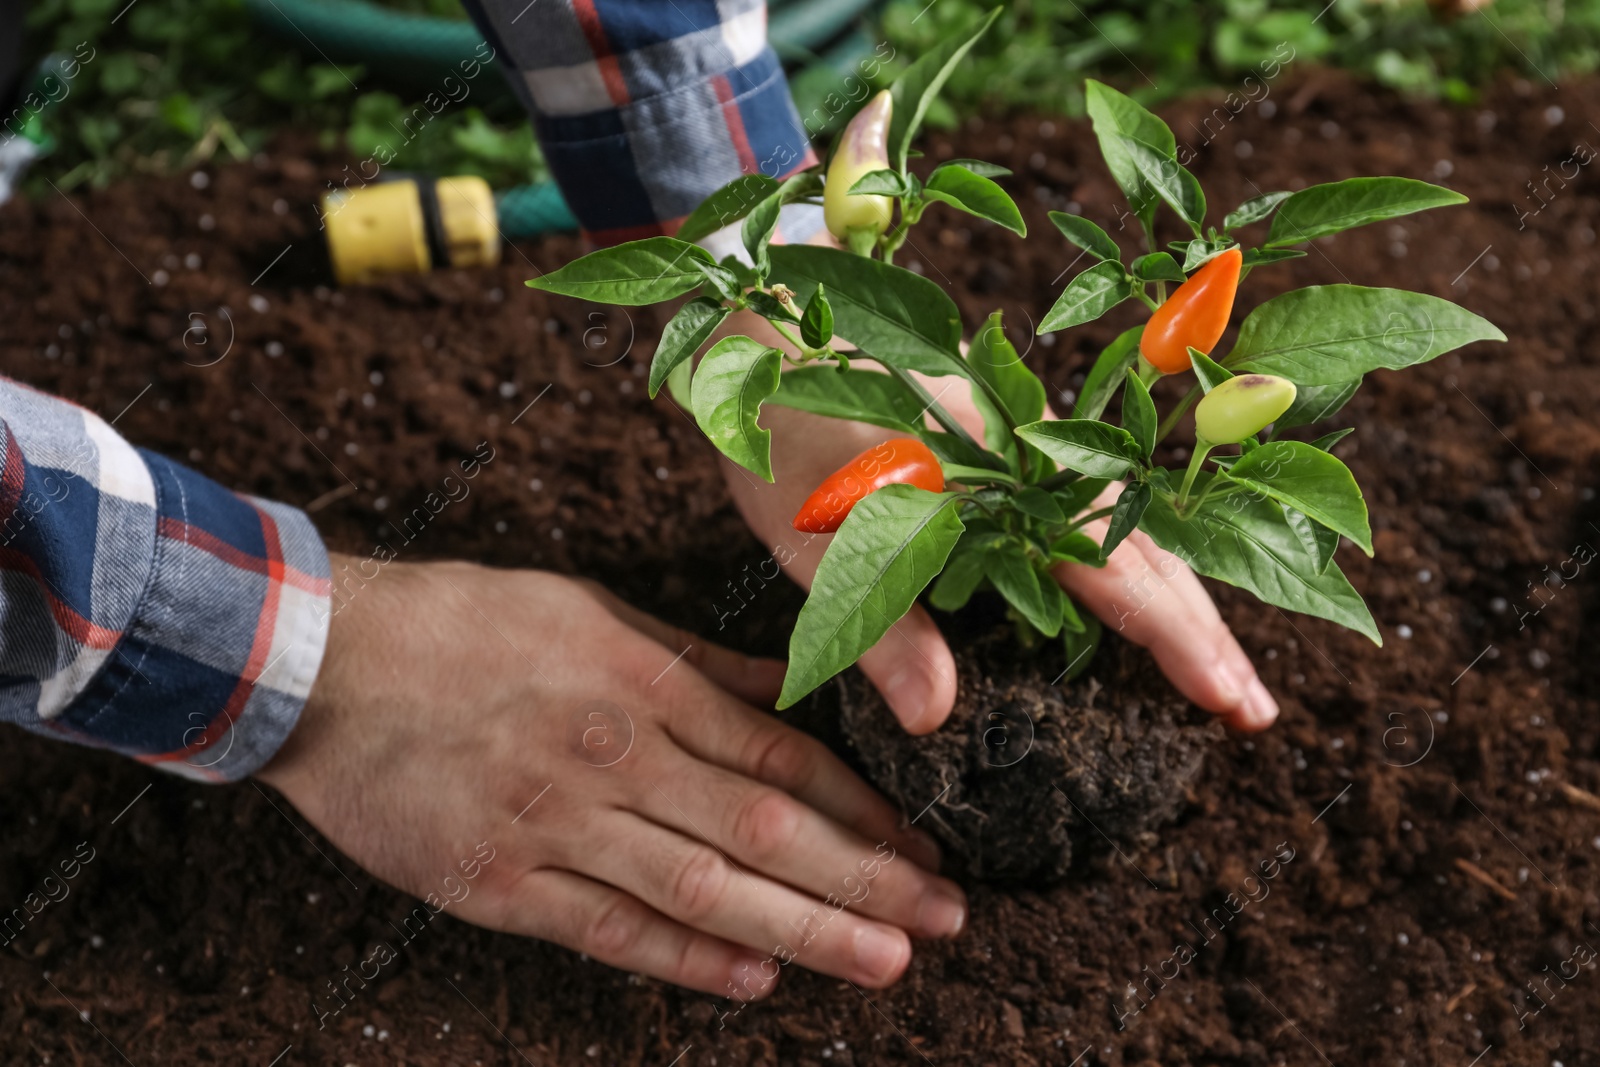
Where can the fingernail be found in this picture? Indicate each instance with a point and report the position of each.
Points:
(908, 692)
(943, 912)
(1231, 685)
(880, 955)
(748, 982)
(1259, 709)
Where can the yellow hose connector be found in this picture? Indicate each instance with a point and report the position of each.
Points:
(409, 226)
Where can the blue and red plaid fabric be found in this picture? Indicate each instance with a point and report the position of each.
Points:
(144, 608)
(148, 610)
(645, 107)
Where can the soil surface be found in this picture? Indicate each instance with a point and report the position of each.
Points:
(1376, 880)
(1026, 772)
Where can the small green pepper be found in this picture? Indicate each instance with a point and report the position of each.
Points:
(863, 148)
(1242, 407)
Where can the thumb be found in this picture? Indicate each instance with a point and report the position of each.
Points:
(912, 667)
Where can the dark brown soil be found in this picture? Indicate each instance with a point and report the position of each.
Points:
(1376, 880)
(1025, 772)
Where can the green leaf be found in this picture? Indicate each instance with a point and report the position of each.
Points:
(726, 282)
(1310, 481)
(1076, 547)
(892, 544)
(1331, 334)
(1319, 542)
(976, 195)
(762, 221)
(1070, 620)
(1087, 236)
(1336, 206)
(639, 272)
(1038, 503)
(680, 384)
(1200, 252)
(959, 452)
(956, 472)
(914, 91)
(1254, 210)
(816, 325)
(1328, 440)
(1085, 445)
(1014, 576)
(690, 328)
(1313, 403)
(1125, 516)
(1076, 497)
(1245, 541)
(962, 575)
(1260, 257)
(994, 360)
(1209, 372)
(1139, 413)
(734, 378)
(1088, 296)
(880, 183)
(769, 307)
(1116, 116)
(894, 316)
(1157, 267)
(854, 395)
(976, 166)
(1170, 180)
(1080, 646)
(727, 206)
(1101, 383)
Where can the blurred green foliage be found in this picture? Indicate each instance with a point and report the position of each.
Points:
(1037, 56)
(174, 82)
(165, 84)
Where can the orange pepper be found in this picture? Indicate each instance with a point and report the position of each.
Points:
(1194, 316)
(898, 461)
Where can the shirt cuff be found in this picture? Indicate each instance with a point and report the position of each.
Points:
(638, 169)
(210, 674)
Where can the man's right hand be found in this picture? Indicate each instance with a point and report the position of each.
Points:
(636, 807)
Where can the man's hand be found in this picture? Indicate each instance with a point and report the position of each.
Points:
(1144, 593)
(636, 807)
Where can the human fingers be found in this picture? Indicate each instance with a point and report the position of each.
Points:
(620, 930)
(1152, 598)
(760, 747)
(765, 829)
(696, 884)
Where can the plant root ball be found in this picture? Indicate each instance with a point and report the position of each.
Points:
(1025, 771)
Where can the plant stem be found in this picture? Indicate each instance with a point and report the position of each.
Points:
(1167, 424)
(1088, 517)
(790, 337)
(1201, 448)
(933, 407)
(1145, 297)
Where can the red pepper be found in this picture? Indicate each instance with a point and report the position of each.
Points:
(898, 461)
(1194, 316)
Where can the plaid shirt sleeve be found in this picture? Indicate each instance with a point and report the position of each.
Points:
(144, 608)
(645, 107)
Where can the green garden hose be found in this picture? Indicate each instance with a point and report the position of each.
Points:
(421, 50)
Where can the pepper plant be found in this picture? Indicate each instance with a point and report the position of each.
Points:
(940, 507)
